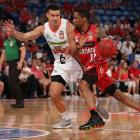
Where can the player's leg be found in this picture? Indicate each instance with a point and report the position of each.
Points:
(1, 87)
(99, 108)
(56, 88)
(112, 90)
(87, 94)
(125, 100)
(88, 79)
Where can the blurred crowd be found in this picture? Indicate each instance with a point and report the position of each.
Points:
(124, 67)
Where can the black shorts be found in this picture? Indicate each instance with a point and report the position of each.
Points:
(59, 79)
(111, 90)
(90, 76)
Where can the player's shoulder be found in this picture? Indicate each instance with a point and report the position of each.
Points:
(64, 19)
(69, 25)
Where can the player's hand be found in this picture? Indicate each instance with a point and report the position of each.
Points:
(9, 26)
(19, 65)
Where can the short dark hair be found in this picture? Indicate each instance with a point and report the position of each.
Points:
(82, 12)
(53, 7)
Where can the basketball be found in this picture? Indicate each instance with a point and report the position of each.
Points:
(107, 48)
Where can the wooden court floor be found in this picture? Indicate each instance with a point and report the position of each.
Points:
(35, 120)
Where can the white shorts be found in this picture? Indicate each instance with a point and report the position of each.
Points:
(71, 71)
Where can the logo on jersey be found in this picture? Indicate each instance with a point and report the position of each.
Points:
(61, 34)
(90, 35)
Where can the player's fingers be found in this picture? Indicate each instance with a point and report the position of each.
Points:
(4, 24)
(7, 23)
(83, 37)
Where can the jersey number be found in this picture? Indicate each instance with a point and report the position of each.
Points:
(93, 55)
(62, 59)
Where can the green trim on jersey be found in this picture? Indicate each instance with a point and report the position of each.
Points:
(57, 43)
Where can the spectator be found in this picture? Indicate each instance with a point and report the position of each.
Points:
(127, 47)
(25, 73)
(124, 80)
(107, 25)
(134, 74)
(118, 28)
(137, 28)
(46, 80)
(136, 50)
(33, 22)
(112, 72)
(126, 25)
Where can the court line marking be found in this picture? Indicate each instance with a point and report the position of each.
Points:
(122, 130)
(126, 113)
(73, 126)
(44, 133)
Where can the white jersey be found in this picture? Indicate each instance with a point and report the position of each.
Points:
(58, 41)
(64, 65)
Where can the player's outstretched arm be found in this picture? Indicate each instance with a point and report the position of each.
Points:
(38, 31)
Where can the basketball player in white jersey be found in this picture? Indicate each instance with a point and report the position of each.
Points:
(59, 34)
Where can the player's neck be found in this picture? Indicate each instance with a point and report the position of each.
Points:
(85, 28)
(54, 28)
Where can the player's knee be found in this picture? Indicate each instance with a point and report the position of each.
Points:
(53, 93)
(118, 95)
(54, 96)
